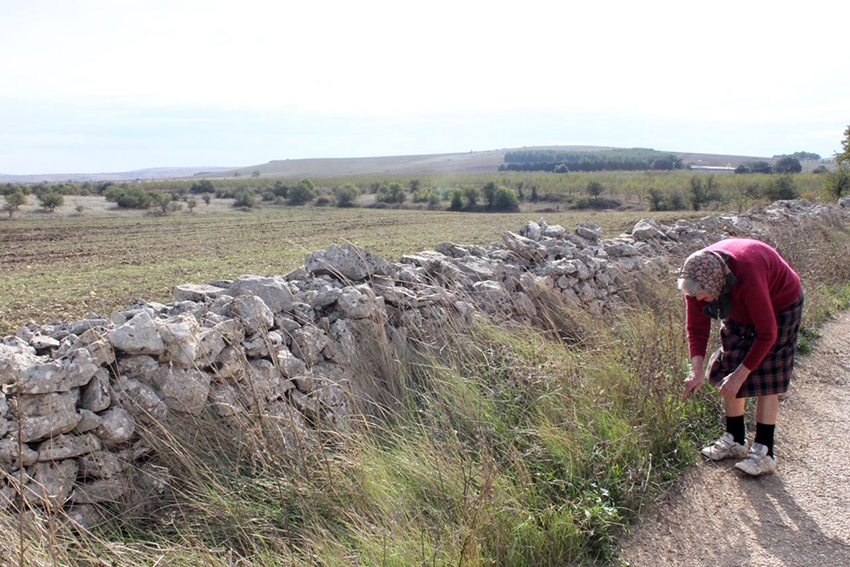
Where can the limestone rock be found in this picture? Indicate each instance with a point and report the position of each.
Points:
(308, 343)
(182, 389)
(274, 292)
(117, 426)
(181, 337)
(347, 262)
(67, 446)
(139, 398)
(194, 292)
(356, 302)
(9, 453)
(252, 312)
(139, 335)
(47, 415)
(52, 481)
(95, 396)
(59, 375)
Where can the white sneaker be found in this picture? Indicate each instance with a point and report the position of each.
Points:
(725, 448)
(758, 462)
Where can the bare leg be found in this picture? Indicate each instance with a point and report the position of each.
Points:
(735, 407)
(767, 408)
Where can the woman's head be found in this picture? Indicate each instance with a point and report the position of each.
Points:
(703, 275)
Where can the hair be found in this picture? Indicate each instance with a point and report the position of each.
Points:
(690, 287)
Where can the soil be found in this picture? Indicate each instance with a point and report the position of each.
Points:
(798, 517)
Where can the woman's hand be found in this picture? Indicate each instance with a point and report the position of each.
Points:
(692, 384)
(731, 385)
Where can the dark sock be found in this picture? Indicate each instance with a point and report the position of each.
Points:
(764, 435)
(735, 426)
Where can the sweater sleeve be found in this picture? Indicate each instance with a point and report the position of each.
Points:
(698, 325)
(756, 298)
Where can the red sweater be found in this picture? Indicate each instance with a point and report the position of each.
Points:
(766, 284)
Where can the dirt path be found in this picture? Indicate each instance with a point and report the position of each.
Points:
(798, 517)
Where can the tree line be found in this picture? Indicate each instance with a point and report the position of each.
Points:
(562, 161)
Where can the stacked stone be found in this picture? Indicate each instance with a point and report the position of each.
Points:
(294, 348)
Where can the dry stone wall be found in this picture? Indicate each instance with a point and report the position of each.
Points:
(73, 394)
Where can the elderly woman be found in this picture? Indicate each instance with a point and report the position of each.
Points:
(757, 296)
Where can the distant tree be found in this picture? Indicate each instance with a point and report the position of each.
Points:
(255, 173)
(303, 192)
(414, 185)
(760, 167)
(245, 199)
(663, 164)
(595, 189)
(787, 165)
(161, 200)
(472, 195)
(80, 209)
(800, 156)
(656, 199)
(397, 193)
(838, 182)
(703, 193)
(207, 199)
(346, 196)
(192, 203)
(562, 168)
(821, 169)
(743, 168)
(505, 200)
(782, 188)
(456, 200)
(489, 191)
(844, 156)
(14, 201)
(202, 186)
(49, 201)
(534, 195)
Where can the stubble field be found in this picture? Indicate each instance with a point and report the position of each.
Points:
(62, 266)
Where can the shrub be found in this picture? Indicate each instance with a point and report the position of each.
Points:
(562, 168)
(677, 201)
(595, 189)
(191, 204)
(781, 188)
(202, 186)
(303, 192)
(434, 199)
(489, 191)
(472, 195)
(346, 196)
(133, 198)
(456, 198)
(324, 200)
(14, 202)
(505, 200)
(656, 199)
(837, 183)
(245, 199)
(207, 199)
(395, 193)
(49, 201)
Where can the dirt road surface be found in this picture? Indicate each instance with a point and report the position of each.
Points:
(797, 517)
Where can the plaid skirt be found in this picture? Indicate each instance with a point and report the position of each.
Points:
(773, 375)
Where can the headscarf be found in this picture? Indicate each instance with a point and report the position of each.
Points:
(710, 271)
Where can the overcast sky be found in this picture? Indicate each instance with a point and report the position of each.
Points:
(100, 86)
